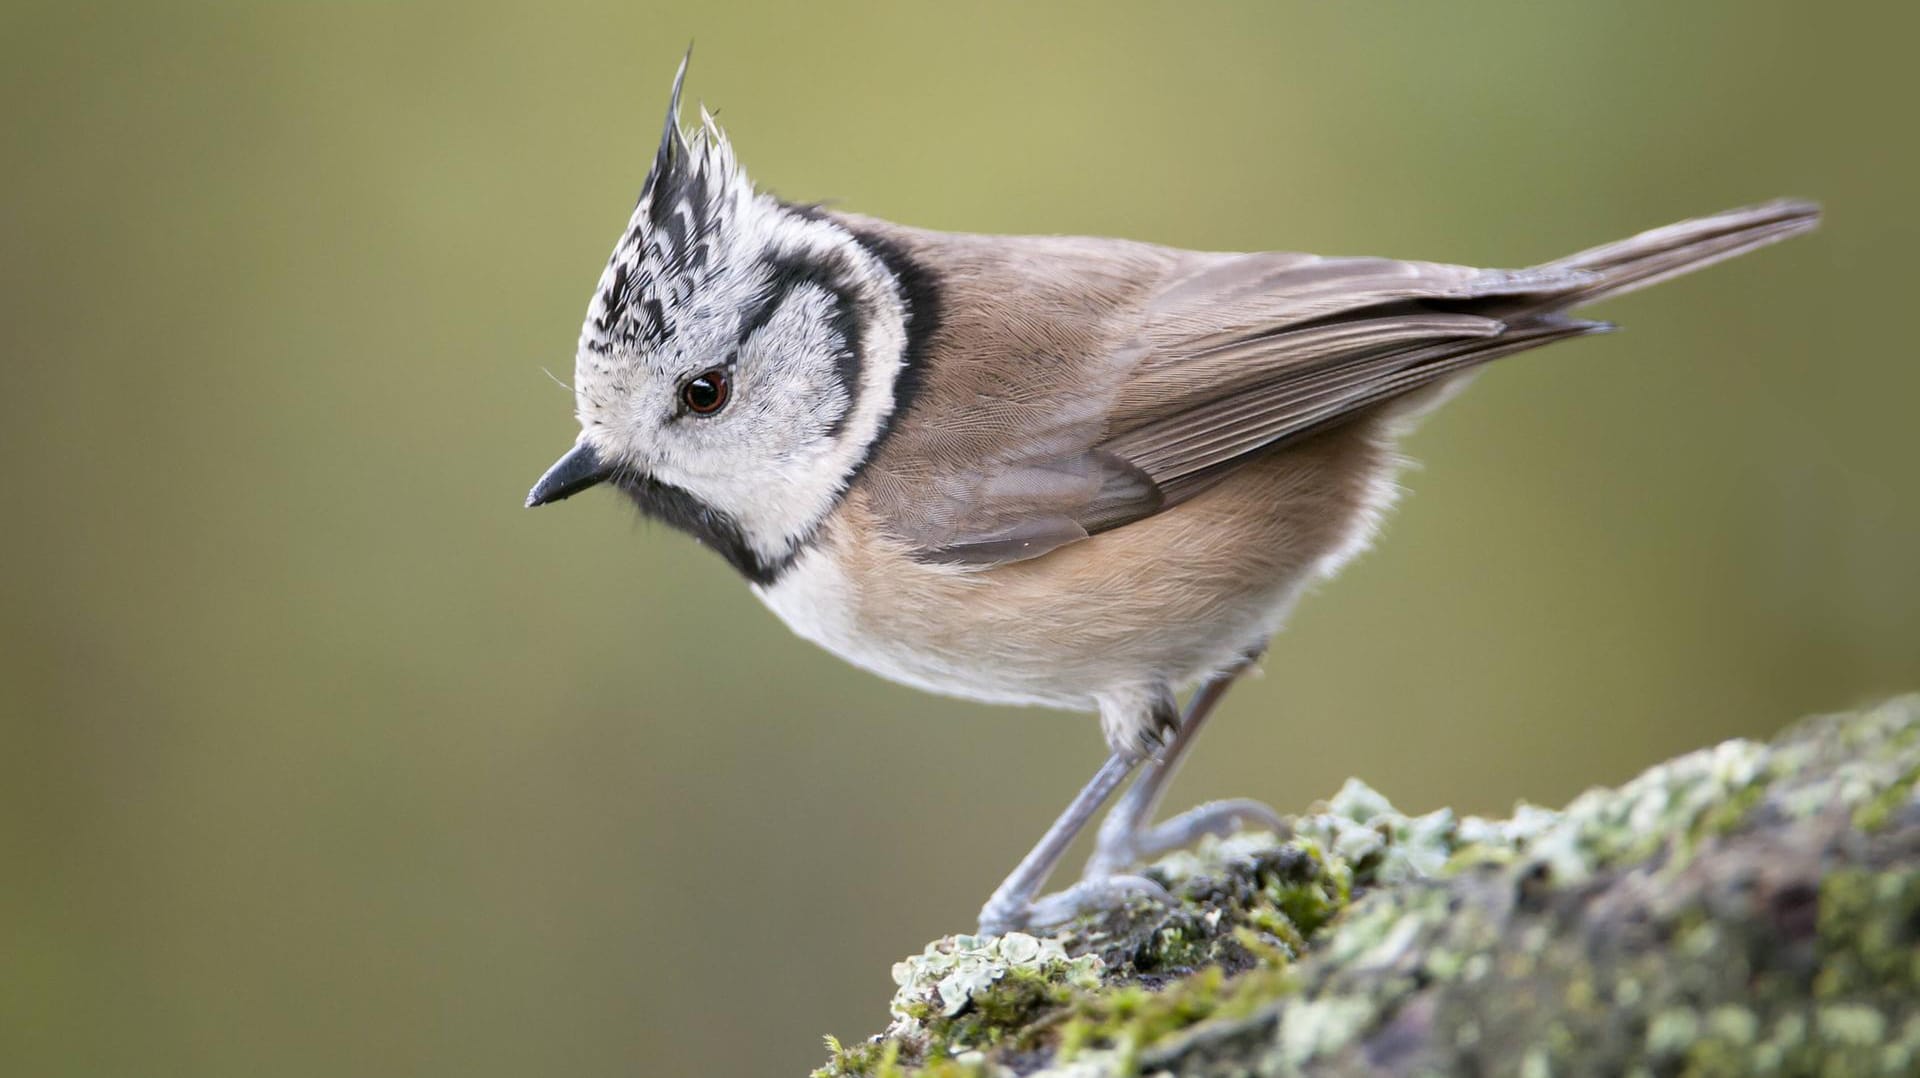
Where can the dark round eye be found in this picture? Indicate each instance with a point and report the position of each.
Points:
(706, 394)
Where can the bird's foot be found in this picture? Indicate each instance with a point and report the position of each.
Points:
(1117, 854)
(1000, 916)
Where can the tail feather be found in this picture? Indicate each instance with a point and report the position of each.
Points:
(1654, 256)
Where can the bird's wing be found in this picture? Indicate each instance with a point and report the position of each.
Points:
(1257, 351)
(1074, 386)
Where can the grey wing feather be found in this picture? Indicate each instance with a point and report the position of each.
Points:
(1023, 512)
(1185, 452)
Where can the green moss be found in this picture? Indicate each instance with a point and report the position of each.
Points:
(1310, 897)
(1877, 811)
(1728, 815)
(868, 1059)
(1133, 1017)
(998, 1015)
(1868, 924)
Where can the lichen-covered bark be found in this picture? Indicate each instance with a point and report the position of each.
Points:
(1746, 909)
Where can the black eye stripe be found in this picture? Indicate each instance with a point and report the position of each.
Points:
(847, 364)
(755, 319)
(789, 275)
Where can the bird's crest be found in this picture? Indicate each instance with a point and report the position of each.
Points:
(688, 210)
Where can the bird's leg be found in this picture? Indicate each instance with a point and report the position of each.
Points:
(1014, 905)
(1126, 838)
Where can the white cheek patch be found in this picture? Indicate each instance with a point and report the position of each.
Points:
(815, 384)
(798, 367)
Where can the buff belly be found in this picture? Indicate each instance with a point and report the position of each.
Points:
(1164, 601)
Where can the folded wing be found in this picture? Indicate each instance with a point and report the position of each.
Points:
(1229, 357)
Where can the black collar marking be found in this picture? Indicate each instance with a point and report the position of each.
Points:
(920, 298)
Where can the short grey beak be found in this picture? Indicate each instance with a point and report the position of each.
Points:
(573, 473)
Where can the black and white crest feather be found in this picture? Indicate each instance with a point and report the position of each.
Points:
(688, 209)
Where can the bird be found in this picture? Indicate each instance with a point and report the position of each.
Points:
(1082, 473)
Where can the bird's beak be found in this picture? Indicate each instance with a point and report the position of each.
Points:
(573, 473)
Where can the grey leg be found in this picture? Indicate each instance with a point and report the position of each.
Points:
(1014, 906)
(1125, 838)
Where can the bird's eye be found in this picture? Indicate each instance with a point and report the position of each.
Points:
(706, 394)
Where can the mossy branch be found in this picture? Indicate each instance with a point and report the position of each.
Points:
(1746, 909)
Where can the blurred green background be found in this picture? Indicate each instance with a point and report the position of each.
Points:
(320, 756)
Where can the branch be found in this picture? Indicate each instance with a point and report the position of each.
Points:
(1745, 909)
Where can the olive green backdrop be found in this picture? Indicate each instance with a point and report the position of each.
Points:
(320, 756)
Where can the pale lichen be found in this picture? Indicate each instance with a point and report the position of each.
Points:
(1746, 909)
(951, 972)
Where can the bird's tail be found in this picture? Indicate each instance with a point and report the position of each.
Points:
(1653, 256)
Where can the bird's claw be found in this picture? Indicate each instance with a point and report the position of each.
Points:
(1213, 818)
(1051, 911)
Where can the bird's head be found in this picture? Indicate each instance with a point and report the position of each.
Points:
(738, 360)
